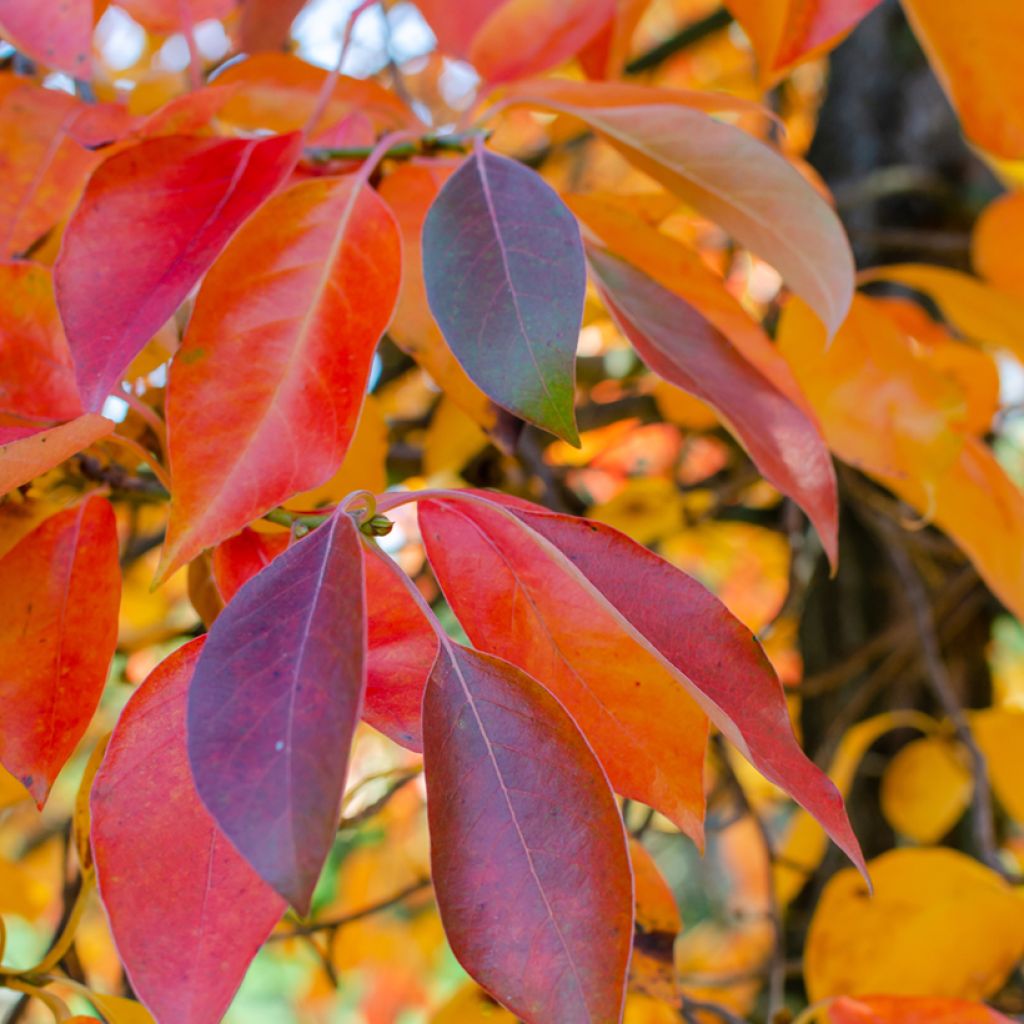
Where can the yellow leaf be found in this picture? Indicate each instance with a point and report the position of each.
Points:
(977, 310)
(472, 1005)
(926, 788)
(117, 1010)
(11, 790)
(881, 407)
(974, 49)
(745, 566)
(22, 891)
(1000, 734)
(995, 244)
(939, 924)
(641, 1009)
(646, 509)
(658, 922)
(452, 439)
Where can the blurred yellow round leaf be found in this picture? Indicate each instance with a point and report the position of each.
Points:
(938, 924)
(926, 789)
(1000, 734)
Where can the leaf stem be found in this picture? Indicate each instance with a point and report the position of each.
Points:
(424, 145)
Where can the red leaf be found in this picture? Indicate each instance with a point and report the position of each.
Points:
(324, 257)
(25, 458)
(186, 911)
(266, 24)
(274, 703)
(152, 219)
(813, 23)
(401, 650)
(401, 645)
(61, 587)
(716, 656)
(680, 345)
(528, 852)
(515, 599)
(237, 559)
(58, 35)
(164, 17)
(506, 278)
(37, 378)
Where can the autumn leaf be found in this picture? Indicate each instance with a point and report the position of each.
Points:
(61, 585)
(503, 259)
(185, 956)
(115, 287)
(520, 601)
(972, 53)
(741, 184)
(939, 924)
(27, 457)
(910, 1010)
(273, 704)
(309, 251)
(688, 351)
(529, 848)
(59, 36)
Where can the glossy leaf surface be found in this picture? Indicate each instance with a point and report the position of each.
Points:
(690, 629)
(61, 587)
(58, 35)
(520, 601)
(401, 646)
(505, 277)
(152, 220)
(324, 257)
(273, 705)
(185, 956)
(529, 855)
(741, 184)
(687, 350)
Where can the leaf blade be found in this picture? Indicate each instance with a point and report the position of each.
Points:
(115, 288)
(503, 262)
(549, 932)
(270, 768)
(185, 956)
(62, 584)
(296, 393)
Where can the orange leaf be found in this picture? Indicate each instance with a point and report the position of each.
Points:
(974, 49)
(995, 244)
(26, 458)
(295, 393)
(61, 587)
(911, 1010)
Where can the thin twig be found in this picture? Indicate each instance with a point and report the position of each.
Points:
(941, 684)
(333, 924)
(687, 36)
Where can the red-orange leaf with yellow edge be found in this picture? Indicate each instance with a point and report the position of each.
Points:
(290, 314)
(528, 852)
(515, 600)
(187, 912)
(152, 220)
(61, 589)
